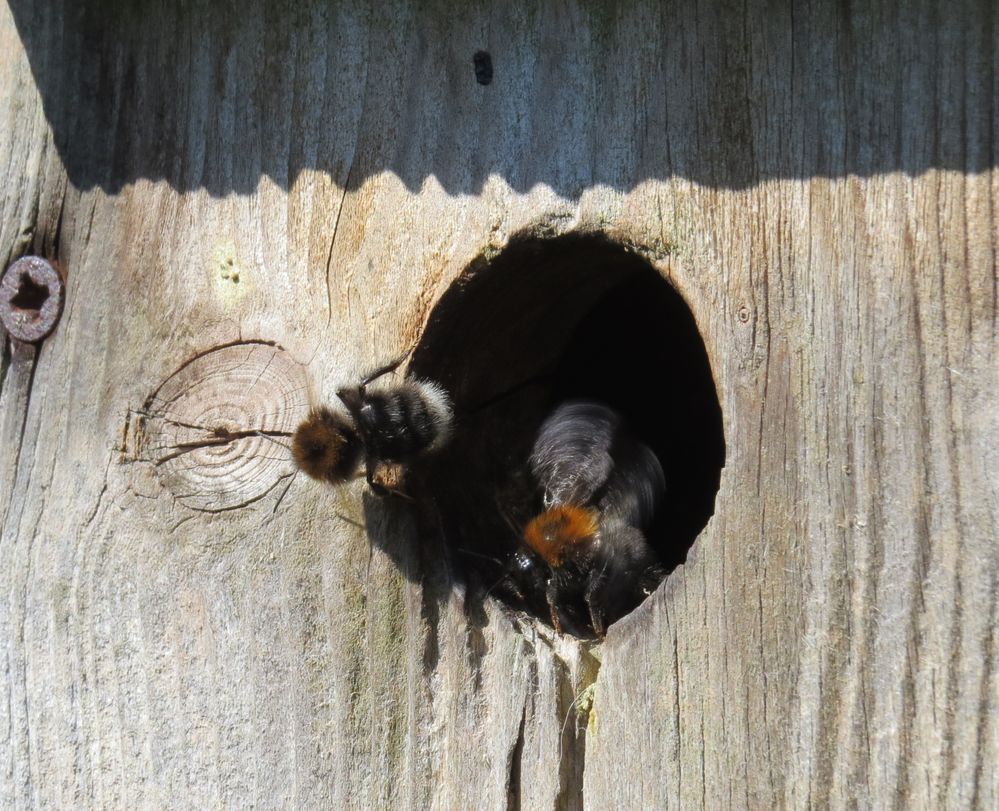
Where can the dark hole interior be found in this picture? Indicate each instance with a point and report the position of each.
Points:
(546, 320)
(30, 296)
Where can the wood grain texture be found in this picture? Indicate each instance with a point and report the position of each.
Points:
(817, 180)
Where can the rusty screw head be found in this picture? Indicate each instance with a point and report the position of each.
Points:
(31, 296)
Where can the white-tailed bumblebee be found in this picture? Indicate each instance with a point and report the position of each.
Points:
(390, 425)
(600, 489)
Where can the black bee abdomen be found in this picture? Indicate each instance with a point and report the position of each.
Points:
(398, 424)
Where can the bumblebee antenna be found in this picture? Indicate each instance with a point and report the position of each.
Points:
(479, 555)
(501, 396)
(515, 530)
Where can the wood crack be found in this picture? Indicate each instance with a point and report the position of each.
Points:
(220, 436)
(147, 405)
(336, 228)
(23, 363)
(572, 738)
(100, 496)
(514, 789)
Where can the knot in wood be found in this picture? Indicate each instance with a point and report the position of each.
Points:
(215, 428)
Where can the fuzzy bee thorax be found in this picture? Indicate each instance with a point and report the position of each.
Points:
(560, 531)
(326, 447)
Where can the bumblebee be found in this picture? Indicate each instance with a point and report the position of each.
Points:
(389, 425)
(600, 489)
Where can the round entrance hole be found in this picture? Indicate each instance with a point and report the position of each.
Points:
(544, 321)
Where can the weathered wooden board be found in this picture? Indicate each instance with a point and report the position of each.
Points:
(817, 180)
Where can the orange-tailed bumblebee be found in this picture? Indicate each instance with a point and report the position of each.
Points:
(600, 490)
(393, 425)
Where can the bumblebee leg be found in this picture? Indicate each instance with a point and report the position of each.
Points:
(378, 488)
(551, 593)
(592, 597)
(353, 398)
(382, 490)
(399, 494)
(507, 585)
(384, 370)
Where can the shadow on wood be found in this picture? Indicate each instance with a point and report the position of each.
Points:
(204, 98)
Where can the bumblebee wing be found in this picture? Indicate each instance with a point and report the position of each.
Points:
(636, 486)
(629, 568)
(571, 459)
